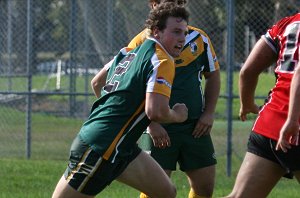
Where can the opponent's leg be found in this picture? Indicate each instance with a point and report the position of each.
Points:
(256, 178)
(145, 174)
(202, 181)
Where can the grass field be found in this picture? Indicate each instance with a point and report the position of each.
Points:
(36, 178)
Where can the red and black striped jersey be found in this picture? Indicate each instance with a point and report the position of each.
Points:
(283, 38)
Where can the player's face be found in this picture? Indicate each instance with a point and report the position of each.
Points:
(173, 36)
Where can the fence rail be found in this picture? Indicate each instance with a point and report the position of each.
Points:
(50, 50)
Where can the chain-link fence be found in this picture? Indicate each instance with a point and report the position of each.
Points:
(50, 50)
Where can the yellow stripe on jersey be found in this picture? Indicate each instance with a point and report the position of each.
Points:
(163, 74)
(111, 148)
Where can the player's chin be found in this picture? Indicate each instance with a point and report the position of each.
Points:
(176, 53)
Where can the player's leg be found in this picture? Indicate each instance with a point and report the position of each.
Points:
(256, 177)
(201, 181)
(143, 195)
(146, 175)
(197, 160)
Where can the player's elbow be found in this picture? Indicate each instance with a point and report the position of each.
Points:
(157, 115)
(94, 83)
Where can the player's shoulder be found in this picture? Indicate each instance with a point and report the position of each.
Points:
(139, 38)
(198, 30)
(288, 20)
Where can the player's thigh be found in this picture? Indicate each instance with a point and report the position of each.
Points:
(196, 153)
(145, 174)
(254, 173)
(202, 180)
(168, 157)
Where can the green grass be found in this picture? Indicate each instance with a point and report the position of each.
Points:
(36, 178)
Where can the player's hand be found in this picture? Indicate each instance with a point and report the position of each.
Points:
(204, 125)
(289, 134)
(246, 110)
(181, 111)
(159, 135)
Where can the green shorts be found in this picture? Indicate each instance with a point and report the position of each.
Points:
(190, 153)
(88, 172)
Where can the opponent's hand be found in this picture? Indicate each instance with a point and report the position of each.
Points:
(159, 135)
(289, 134)
(246, 110)
(181, 111)
(203, 126)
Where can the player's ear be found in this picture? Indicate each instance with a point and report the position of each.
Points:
(155, 33)
(153, 5)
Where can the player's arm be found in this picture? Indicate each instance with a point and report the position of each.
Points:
(211, 94)
(260, 58)
(100, 80)
(157, 109)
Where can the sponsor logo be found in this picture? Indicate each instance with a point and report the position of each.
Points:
(194, 48)
(178, 61)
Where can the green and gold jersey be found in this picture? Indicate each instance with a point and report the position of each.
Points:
(118, 117)
(198, 56)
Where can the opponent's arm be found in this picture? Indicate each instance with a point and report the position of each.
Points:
(260, 58)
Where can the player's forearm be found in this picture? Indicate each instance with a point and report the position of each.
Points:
(98, 82)
(157, 109)
(247, 86)
(260, 58)
(163, 115)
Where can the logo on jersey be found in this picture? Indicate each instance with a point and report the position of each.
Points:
(161, 80)
(194, 48)
(178, 61)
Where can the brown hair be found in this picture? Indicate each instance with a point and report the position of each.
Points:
(179, 2)
(158, 16)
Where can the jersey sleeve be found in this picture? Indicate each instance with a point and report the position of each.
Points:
(161, 79)
(213, 63)
(271, 37)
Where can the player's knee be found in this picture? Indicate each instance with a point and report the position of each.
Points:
(168, 192)
(171, 192)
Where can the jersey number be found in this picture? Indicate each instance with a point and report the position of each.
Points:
(287, 62)
(112, 84)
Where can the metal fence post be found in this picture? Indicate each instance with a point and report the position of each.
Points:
(29, 77)
(229, 71)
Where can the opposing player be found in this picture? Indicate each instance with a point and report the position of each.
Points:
(189, 143)
(264, 165)
(137, 91)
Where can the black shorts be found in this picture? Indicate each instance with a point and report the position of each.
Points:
(265, 147)
(88, 172)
